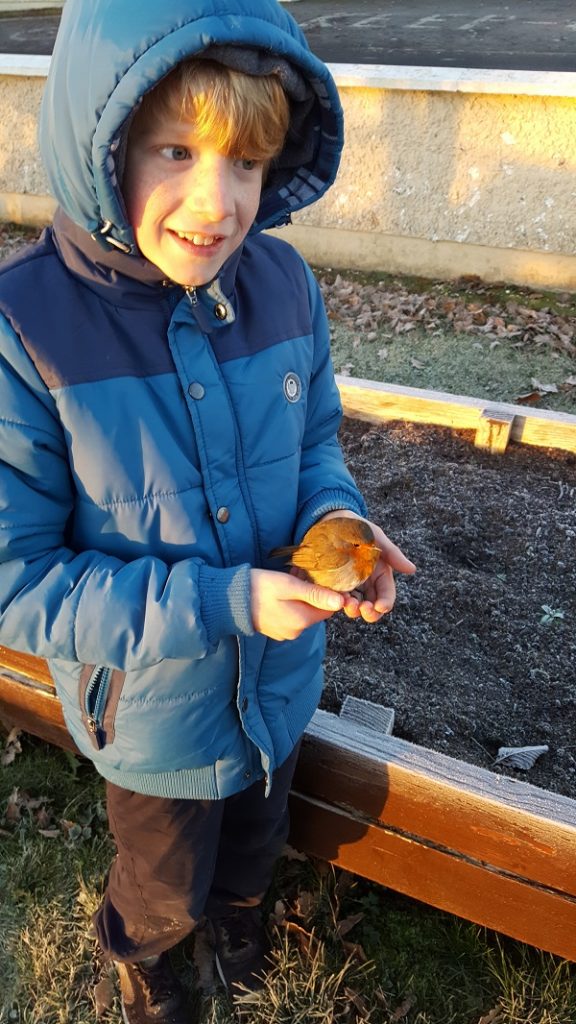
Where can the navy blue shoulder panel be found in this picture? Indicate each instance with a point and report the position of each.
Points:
(70, 334)
(74, 336)
(271, 300)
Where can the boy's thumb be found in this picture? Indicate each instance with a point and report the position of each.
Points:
(322, 598)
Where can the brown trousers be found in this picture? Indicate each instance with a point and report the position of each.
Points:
(180, 859)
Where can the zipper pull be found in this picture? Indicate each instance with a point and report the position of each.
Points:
(94, 728)
(191, 293)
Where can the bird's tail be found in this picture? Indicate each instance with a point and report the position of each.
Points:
(285, 552)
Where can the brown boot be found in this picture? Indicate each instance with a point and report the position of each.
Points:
(241, 949)
(151, 993)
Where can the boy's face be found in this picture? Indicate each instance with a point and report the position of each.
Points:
(189, 205)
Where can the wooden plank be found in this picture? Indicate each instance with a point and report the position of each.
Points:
(26, 665)
(543, 918)
(494, 430)
(513, 826)
(378, 402)
(34, 707)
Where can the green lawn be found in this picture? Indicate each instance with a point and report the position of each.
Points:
(424, 335)
(347, 951)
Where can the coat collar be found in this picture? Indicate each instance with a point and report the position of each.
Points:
(131, 281)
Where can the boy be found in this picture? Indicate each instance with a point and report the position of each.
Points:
(169, 416)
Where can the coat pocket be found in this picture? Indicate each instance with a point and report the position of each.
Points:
(100, 690)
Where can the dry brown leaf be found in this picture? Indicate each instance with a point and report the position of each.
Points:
(403, 1010)
(291, 854)
(348, 923)
(545, 389)
(19, 800)
(50, 833)
(12, 747)
(529, 399)
(381, 997)
(32, 802)
(344, 880)
(492, 1017)
(357, 1001)
(354, 949)
(14, 805)
(103, 996)
(391, 305)
(305, 905)
(542, 339)
(278, 915)
(306, 940)
(43, 818)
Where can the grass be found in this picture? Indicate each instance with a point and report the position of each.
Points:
(458, 364)
(346, 950)
(446, 359)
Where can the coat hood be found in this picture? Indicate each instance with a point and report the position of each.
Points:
(108, 53)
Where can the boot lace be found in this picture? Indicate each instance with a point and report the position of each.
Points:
(157, 983)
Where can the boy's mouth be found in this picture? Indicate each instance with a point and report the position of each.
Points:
(192, 237)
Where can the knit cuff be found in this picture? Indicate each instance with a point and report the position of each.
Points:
(225, 597)
(321, 504)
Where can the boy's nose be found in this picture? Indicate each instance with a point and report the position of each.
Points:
(210, 189)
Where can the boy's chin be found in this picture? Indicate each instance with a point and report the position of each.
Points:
(188, 280)
(195, 278)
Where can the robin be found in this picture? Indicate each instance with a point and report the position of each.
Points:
(339, 553)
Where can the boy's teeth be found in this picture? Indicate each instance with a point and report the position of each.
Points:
(196, 239)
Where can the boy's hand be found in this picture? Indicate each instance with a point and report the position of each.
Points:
(283, 606)
(379, 590)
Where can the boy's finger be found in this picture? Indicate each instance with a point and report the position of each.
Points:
(351, 606)
(321, 597)
(392, 554)
(396, 559)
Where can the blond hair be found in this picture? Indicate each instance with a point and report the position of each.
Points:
(242, 115)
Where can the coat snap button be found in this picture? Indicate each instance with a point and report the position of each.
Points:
(220, 311)
(223, 514)
(196, 390)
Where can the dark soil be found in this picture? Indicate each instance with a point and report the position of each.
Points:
(465, 658)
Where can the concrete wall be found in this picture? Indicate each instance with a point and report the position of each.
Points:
(445, 172)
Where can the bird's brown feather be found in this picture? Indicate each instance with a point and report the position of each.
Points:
(339, 553)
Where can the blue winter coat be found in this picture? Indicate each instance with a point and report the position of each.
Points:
(154, 444)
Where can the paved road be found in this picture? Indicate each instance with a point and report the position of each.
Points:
(518, 34)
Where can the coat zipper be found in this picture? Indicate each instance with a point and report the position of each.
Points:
(95, 701)
(192, 296)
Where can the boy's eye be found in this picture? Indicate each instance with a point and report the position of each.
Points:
(175, 152)
(246, 164)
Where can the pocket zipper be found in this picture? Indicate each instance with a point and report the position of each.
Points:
(95, 701)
